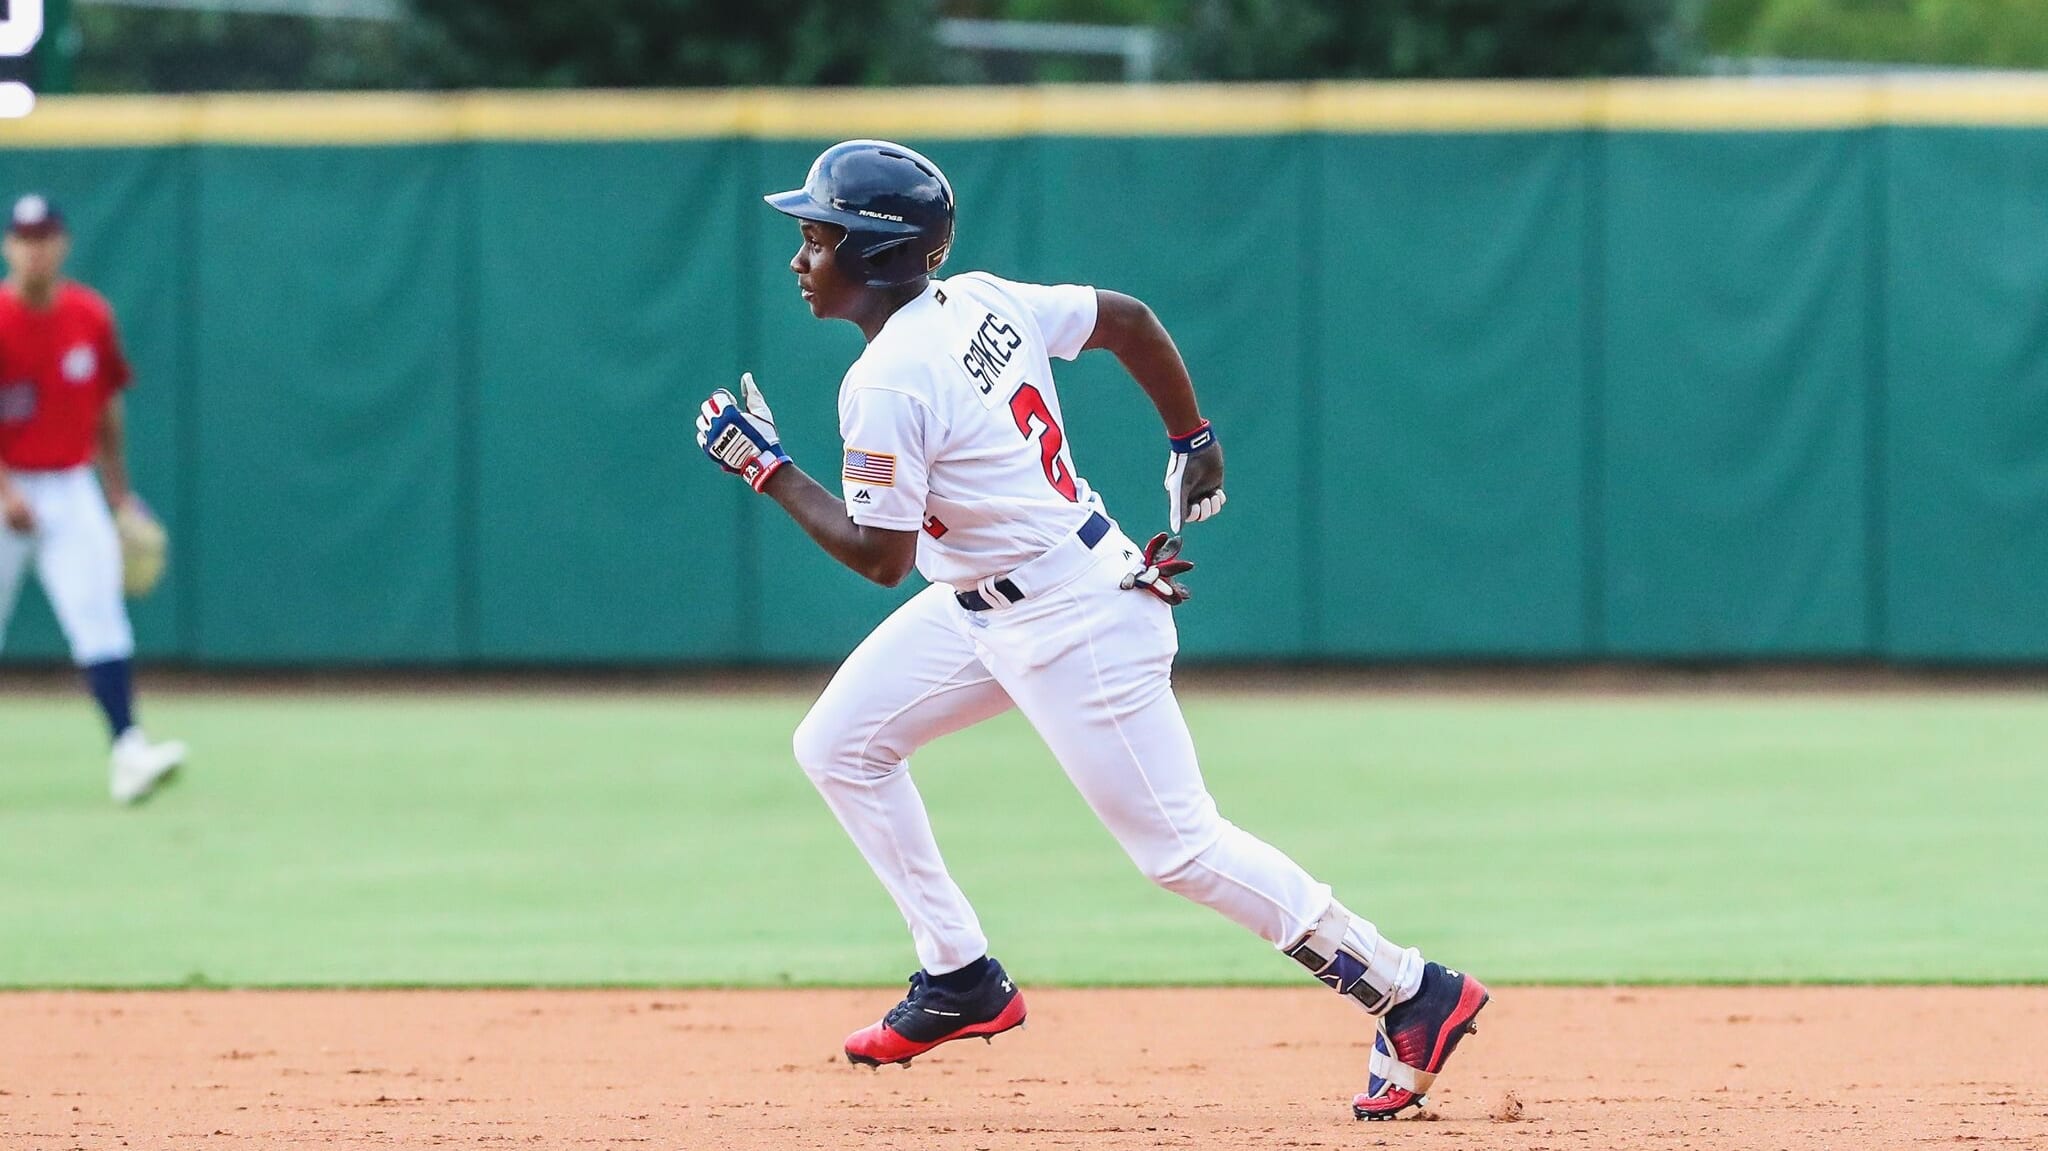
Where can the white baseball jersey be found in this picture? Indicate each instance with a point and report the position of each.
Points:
(953, 428)
(952, 425)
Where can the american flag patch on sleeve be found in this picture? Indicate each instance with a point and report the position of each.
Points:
(865, 467)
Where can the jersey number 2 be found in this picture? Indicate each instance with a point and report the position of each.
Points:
(1029, 407)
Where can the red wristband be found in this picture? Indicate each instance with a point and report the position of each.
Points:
(1193, 441)
(764, 465)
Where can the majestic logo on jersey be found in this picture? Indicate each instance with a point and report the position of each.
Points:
(865, 467)
(862, 497)
(990, 350)
(80, 364)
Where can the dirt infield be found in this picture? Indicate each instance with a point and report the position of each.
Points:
(1553, 1069)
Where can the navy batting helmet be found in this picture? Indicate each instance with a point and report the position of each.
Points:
(895, 205)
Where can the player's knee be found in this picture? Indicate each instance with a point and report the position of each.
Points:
(815, 744)
(1176, 869)
(828, 748)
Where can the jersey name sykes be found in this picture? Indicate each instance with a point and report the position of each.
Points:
(989, 351)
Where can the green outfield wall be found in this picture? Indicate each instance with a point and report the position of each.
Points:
(1572, 371)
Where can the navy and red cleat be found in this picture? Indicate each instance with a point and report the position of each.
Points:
(931, 1015)
(1416, 1038)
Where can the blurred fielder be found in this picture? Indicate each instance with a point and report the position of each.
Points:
(61, 378)
(956, 462)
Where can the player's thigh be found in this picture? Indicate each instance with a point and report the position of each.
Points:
(15, 550)
(1103, 701)
(78, 561)
(915, 678)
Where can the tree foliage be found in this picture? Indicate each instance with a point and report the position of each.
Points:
(690, 43)
(152, 50)
(1969, 33)
(515, 44)
(1308, 39)
(675, 43)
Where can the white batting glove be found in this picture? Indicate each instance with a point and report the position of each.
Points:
(1194, 477)
(739, 435)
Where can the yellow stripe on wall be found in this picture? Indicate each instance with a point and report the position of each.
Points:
(1740, 106)
(1683, 105)
(103, 122)
(1473, 106)
(2008, 103)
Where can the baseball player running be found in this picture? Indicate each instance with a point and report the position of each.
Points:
(957, 462)
(61, 378)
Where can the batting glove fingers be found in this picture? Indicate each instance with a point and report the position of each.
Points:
(1160, 571)
(741, 439)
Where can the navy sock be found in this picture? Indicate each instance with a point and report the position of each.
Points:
(113, 685)
(965, 979)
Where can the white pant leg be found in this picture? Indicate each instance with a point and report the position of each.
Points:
(78, 560)
(15, 550)
(915, 678)
(1090, 666)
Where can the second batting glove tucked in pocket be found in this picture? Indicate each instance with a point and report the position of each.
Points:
(1160, 570)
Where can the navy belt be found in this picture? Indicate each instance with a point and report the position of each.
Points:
(1091, 533)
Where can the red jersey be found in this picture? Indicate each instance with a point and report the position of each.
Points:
(59, 367)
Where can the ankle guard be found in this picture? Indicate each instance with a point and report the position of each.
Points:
(1370, 979)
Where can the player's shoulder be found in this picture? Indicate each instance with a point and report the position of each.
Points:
(1039, 299)
(890, 365)
(974, 281)
(84, 298)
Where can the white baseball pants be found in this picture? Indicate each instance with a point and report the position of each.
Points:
(78, 560)
(1090, 666)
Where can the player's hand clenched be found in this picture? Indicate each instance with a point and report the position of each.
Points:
(739, 434)
(14, 510)
(1194, 477)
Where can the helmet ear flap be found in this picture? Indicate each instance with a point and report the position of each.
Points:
(879, 250)
(878, 260)
(881, 257)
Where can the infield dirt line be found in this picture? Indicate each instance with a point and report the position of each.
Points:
(1552, 1068)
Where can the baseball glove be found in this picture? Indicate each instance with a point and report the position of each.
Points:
(144, 547)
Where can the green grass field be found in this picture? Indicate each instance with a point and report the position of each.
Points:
(581, 839)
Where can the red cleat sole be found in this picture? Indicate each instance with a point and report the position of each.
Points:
(879, 1046)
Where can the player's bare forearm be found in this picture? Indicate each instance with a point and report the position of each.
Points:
(1134, 335)
(878, 554)
(112, 457)
(1128, 330)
